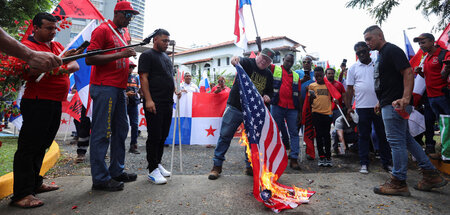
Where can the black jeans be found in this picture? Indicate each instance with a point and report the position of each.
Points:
(41, 120)
(83, 131)
(322, 125)
(158, 126)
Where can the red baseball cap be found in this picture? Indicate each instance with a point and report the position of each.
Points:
(125, 6)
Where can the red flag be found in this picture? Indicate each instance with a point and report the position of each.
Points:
(252, 55)
(328, 65)
(309, 133)
(333, 91)
(444, 38)
(82, 9)
(74, 108)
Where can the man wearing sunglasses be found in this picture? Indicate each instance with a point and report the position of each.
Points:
(109, 80)
(360, 85)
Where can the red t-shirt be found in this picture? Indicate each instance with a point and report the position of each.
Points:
(432, 72)
(340, 88)
(226, 90)
(51, 87)
(114, 73)
(285, 95)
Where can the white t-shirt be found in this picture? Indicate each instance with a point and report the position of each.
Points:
(360, 76)
(190, 87)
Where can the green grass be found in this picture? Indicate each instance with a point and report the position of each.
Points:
(7, 150)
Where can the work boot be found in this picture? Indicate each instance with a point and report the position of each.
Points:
(215, 173)
(80, 158)
(431, 179)
(294, 164)
(133, 149)
(248, 171)
(394, 187)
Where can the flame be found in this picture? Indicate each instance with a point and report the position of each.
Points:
(268, 180)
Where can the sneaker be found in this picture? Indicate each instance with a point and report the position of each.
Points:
(133, 149)
(394, 187)
(248, 171)
(364, 169)
(328, 162)
(80, 158)
(111, 185)
(156, 178)
(321, 162)
(215, 173)
(431, 179)
(163, 171)
(126, 177)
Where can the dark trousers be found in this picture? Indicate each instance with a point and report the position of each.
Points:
(133, 115)
(322, 125)
(158, 126)
(367, 116)
(41, 120)
(83, 131)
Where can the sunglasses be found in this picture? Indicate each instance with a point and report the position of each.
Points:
(128, 15)
(307, 61)
(361, 52)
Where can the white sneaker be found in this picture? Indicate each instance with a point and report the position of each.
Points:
(156, 177)
(363, 169)
(163, 171)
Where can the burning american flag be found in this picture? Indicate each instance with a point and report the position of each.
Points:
(265, 151)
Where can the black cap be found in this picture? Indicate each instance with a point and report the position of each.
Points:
(423, 36)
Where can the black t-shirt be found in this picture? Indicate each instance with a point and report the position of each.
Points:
(262, 79)
(133, 86)
(160, 75)
(388, 79)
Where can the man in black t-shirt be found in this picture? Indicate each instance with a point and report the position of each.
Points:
(394, 81)
(262, 78)
(157, 85)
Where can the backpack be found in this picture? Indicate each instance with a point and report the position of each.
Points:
(441, 55)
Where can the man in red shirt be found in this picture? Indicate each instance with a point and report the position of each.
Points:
(109, 116)
(436, 84)
(41, 112)
(286, 105)
(336, 113)
(221, 87)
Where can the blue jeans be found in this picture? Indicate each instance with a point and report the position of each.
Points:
(109, 126)
(232, 118)
(133, 115)
(280, 114)
(367, 116)
(401, 141)
(439, 105)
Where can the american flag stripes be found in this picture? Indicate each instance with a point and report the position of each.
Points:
(268, 154)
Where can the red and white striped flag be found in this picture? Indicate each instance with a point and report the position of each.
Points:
(268, 155)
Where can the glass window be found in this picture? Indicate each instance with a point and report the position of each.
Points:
(218, 62)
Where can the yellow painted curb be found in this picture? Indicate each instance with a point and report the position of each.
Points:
(6, 181)
(441, 166)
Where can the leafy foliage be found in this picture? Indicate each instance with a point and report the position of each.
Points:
(382, 10)
(21, 10)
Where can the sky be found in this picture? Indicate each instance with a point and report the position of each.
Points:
(326, 27)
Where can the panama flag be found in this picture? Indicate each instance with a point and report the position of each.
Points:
(239, 28)
(409, 49)
(204, 84)
(200, 118)
(82, 76)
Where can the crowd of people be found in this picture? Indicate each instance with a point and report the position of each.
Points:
(378, 86)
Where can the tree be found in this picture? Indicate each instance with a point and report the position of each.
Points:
(21, 10)
(381, 11)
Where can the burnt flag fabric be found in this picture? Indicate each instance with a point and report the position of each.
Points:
(267, 153)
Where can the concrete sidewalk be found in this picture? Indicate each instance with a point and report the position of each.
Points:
(337, 193)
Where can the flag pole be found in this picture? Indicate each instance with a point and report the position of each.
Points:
(258, 39)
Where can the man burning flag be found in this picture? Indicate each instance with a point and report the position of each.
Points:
(265, 151)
